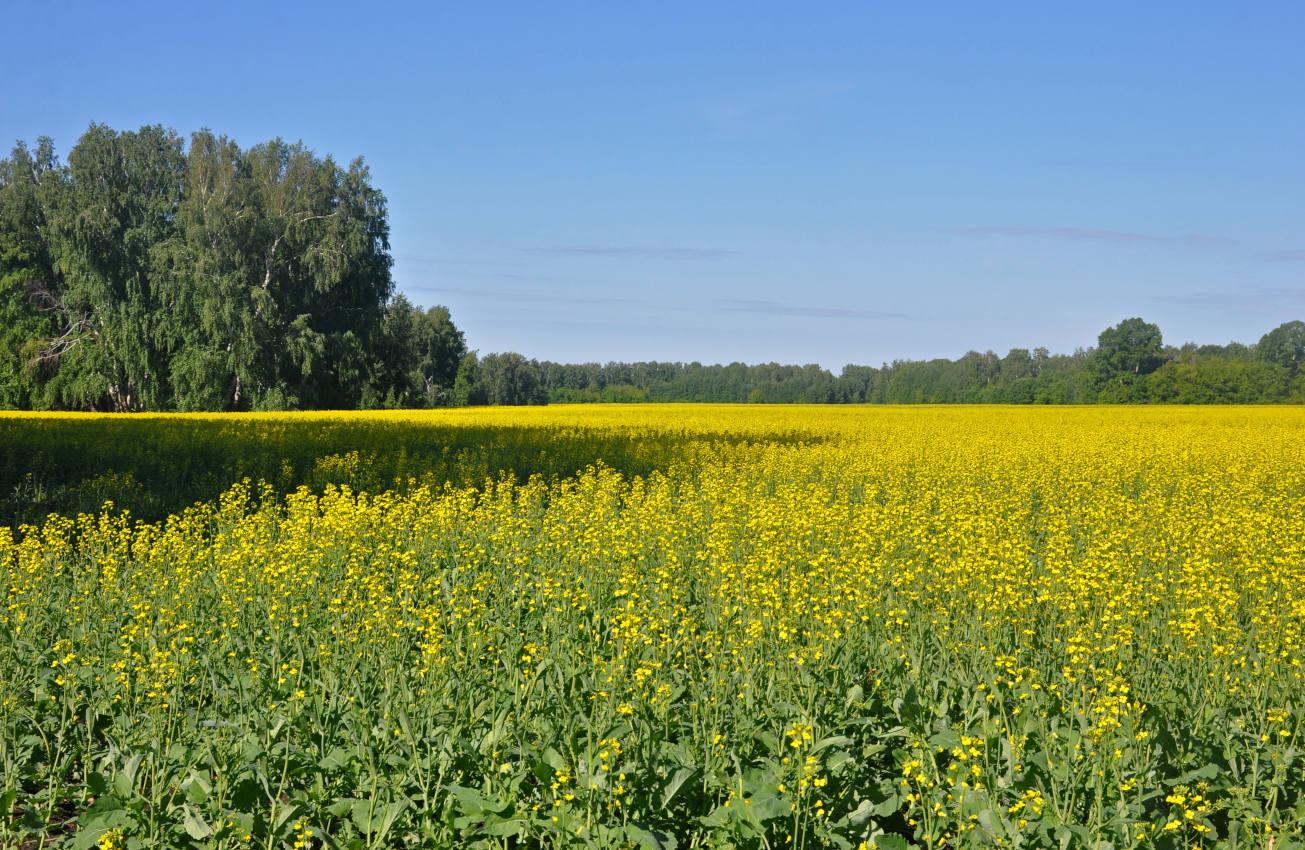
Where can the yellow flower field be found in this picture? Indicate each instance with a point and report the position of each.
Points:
(719, 627)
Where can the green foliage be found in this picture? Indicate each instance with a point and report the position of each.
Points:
(1125, 354)
(146, 275)
(1131, 366)
(511, 379)
(1284, 346)
(468, 388)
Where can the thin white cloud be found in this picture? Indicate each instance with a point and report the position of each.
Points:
(538, 297)
(1080, 234)
(774, 106)
(634, 253)
(773, 308)
(1258, 300)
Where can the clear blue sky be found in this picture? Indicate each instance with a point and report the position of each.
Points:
(799, 182)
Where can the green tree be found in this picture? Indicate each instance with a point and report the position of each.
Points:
(468, 387)
(1284, 346)
(510, 378)
(1125, 354)
(418, 356)
(439, 348)
(278, 279)
(124, 195)
(30, 284)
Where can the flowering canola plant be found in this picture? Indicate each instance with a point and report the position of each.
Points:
(732, 627)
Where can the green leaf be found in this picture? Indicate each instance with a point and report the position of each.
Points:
(1207, 772)
(861, 813)
(97, 782)
(197, 787)
(991, 821)
(891, 802)
(718, 817)
(389, 816)
(247, 795)
(832, 741)
(765, 807)
(676, 783)
(343, 806)
(125, 780)
(335, 759)
(363, 814)
(285, 814)
(891, 842)
(554, 759)
(472, 802)
(195, 826)
(93, 827)
(648, 839)
(504, 827)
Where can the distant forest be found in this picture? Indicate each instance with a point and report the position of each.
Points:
(146, 274)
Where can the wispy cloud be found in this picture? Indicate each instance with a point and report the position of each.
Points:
(637, 253)
(1292, 256)
(1094, 234)
(773, 308)
(1208, 240)
(1090, 234)
(1259, 300)
(537, 297)
(774, 106)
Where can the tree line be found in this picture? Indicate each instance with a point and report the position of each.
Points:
(146, 273)
(1129, 364)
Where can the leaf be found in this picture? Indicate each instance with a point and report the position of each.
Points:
(195, 826)
(554, 759)
(472, 802)
(717, 818)
(342, 806)
(891, 842)
(676, 782)
(97, 782)
(197, 787)
(861, 813)
(93, 828)
(335, 759)
(1209, 771)
(285, 814)
(831, 741)
(648, 839)
(391, 814)
(247, 795)
(504, 827)
(891, 802)
(125, 780)
(768, 806)
(362, 812)
(947, 739)
(497, 732)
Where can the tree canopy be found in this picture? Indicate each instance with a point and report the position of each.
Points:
(148, 274)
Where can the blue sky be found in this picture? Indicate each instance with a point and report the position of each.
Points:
(800, 182)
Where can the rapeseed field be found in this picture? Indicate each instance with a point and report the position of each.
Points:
(656, 627)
